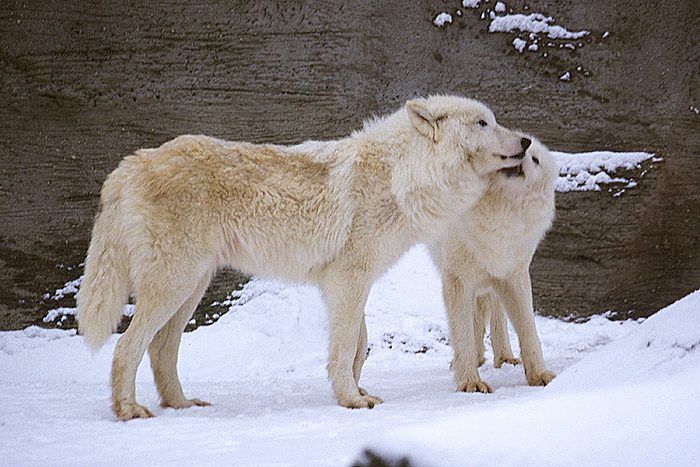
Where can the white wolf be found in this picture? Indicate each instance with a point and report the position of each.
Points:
(485, 259)
(336, 214)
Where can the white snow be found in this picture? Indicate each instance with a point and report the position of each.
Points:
(59, 313)
(67, 289)
(534, 23)
(598, 160)
(519, 44)
(587, 171)
(500, 7)
(471, 3)
(442, 19)
(262, 365)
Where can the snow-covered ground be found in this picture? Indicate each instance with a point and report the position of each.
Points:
(262, 366)
(632, 402)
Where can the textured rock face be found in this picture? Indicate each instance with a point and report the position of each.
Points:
(81, 86)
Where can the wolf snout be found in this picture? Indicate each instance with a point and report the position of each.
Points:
(524, 143)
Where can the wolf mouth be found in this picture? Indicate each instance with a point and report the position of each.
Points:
(516, 171)
(520, 155)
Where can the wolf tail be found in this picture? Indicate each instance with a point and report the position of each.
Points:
(105, 287)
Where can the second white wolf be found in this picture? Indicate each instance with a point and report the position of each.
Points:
(485, 259)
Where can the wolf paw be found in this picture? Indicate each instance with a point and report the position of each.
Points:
(509, 360)
(184, 403)
(540, 379)
(361, 402)
(475, 386)
(129, 410)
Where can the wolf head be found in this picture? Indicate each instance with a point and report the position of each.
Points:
(467, 130)
(537, 167)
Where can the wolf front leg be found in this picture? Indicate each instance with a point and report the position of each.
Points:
(516, 295)
(460, 301)
(345, 298)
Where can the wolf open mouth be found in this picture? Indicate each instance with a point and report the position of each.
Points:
(516, 171)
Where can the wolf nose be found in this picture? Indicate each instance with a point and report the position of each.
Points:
(525, 143)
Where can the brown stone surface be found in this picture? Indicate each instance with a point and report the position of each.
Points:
(82, 84)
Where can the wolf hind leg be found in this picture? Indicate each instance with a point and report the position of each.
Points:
(502, 352)
(163, 351)
(360, 355)
(481, 316)
(157, 301)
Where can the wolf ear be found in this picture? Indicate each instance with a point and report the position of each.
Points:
(423, 118)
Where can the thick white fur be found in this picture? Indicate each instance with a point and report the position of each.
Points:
(336, 214)
(485, 259)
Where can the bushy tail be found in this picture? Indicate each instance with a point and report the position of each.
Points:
(105, 286)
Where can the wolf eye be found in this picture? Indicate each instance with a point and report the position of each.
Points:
(482, 122)
(535, 160)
